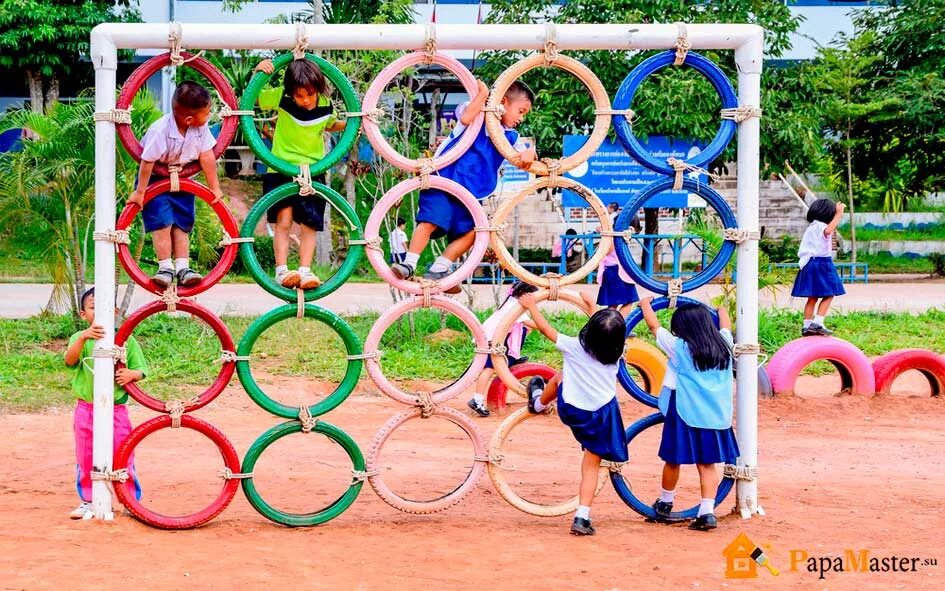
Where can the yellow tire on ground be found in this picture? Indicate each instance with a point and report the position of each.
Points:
(649, 361)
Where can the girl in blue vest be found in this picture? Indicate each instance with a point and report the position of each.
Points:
(586, 394)
(696, 400)
(441, 214)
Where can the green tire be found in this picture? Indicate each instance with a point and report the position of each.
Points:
(336, 508)
(255, 141)
(341, 392)
(347, 268)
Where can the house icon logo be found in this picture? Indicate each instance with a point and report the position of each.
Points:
(742, 558)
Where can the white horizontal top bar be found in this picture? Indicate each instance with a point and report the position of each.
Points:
(451, 36)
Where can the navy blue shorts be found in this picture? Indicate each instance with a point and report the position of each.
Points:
(446, 212)
(169, 209)
(307, 211)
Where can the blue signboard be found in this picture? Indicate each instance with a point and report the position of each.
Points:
(614, 176)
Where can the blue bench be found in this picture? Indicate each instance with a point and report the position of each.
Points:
(849, 272)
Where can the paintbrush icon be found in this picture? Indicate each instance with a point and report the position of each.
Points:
(758, 556)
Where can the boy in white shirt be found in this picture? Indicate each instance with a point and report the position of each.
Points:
(398, 242)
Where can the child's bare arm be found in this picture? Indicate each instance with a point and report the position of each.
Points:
(337, 126)
(74, 352)
(542, 324)
(125, 376)
(649, 316)
(208, 164)
(531, 325)
(144, 178)
(832, 226)
(475, 106)
(725, 320)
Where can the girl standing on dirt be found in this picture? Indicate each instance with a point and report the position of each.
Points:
(818, 277)
(696, 401)
(586, 393)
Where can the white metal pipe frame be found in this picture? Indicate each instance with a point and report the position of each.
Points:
(746, 40)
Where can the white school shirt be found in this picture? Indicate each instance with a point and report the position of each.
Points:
(519, 146)
(398, 241)
(163, 142)
(586, 383)
(667, 342)
(814, 243)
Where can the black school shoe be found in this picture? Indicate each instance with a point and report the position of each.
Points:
(704, 523)
(437, 275)
(479, 409)
(662, 509)
(536, 383)
(816, 330)
(188, 277)
(163, 278)
(582, 527)
(402, 270)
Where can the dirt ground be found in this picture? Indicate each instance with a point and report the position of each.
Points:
(837, 473)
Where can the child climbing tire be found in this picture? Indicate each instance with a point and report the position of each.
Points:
(856, 372)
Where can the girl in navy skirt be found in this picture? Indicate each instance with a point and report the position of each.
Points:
(818, 278)
(617, 288)
(586, 393)
(696, 401)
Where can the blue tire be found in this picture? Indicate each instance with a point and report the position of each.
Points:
(628, 88)
(701, 278)
(626, 493)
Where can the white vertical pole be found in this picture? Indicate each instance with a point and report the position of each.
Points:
(748, 58)
(105, 60)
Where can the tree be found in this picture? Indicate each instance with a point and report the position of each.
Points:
(45, 40)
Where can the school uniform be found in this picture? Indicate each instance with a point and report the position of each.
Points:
(697, 406)
(163, 142)
(587, 401)
(818, 277)
(513, 340)
(616, 286)
(477, 170)
(398, 245)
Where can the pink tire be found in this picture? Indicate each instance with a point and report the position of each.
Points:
(890, 366)
(373, 341)
(855, 370)
(374, 92)
(375, 464)
(372, 234)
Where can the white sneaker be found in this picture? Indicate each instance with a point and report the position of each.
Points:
(308, 280)
(80, 511)
(288, 279)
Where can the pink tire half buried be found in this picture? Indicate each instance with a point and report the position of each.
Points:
(856, 372)
(372, 96)
(890, 366)
(373, 341)
(375, 465)
(372, 234)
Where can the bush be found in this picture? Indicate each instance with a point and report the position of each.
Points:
(263, 247)
(938, 262)
(783, 250)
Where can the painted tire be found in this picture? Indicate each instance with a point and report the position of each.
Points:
(269, 319)
(191, 307)
(764, 384)
(623, 375)
(219, 207)
(373, 131)
(628, 88)
(255, 141)
(856, 373)
(497, 472)
(265, 278)
(126, 491)
(373, 341)
(336, 508)
(507, 209)
(498, 391)
(140, 77)
(372, 234)
(650, 362)
(701, 278)
(625, 491)
(585, 75)
(375, 464)
(499, 362)
(890, 366)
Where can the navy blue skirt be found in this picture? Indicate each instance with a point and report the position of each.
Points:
(614, 291)
(683, 444)
(818, 279)
(600, 431)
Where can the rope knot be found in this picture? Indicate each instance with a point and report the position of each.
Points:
(737, 235)
(746, 349)
(120, 476)
(305, 181)
(227, 240)
(553, 285)
(173, 173)
(741, 113)
(232, 357)
(116, 236)
(680, 167)
(170, 298)
(429, 44)
(115, 352)
(746, 472)
(308, 421)
(116, 116)
(682, 44)
(362, 475)
(673, 290)
(301, 42)
(227, 474)
(551, 44)
(425, 402)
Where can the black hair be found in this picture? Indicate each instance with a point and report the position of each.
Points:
(614, 205)
(694, 324)
(518, 289)
(822, 210)
(85, 295)
(401, 221)
(191, 96)
(571, 232)
(604, 335)
(518, 89)
(304, 74)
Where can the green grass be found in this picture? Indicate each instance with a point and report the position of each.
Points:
(934, 232)
(886, 263)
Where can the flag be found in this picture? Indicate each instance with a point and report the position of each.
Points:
(433, 18)
(479, 16)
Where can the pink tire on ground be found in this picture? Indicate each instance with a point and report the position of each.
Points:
(375, 465)
(373, 341)
(890, 366)
(855, 370)
(372, 96)
(372, 234)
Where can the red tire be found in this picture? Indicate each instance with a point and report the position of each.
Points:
(893, 364)
(856, 373)
(498, 391)
(138, 79)
(226, 219)
(223, 333)
(126, 491)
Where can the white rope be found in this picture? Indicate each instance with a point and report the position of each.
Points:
(429, 43)
(681, 167)
(228, 240)
(673, 291)
(372, 243)
(739, 114)
(551, 44)
(110, 475)
(227, 474)
(304, 180)
(362, 475)
(232, 357)
(173, 173)
(308, 421)
(746, 349)
(175, 37)
(114, 352)
(746, 472)
(116, 116)
(737, 235)
(116, 236)
(628, 114)
(366, 355)
(682, 44)
(301, 42)
(375, 114)
(170, 298)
